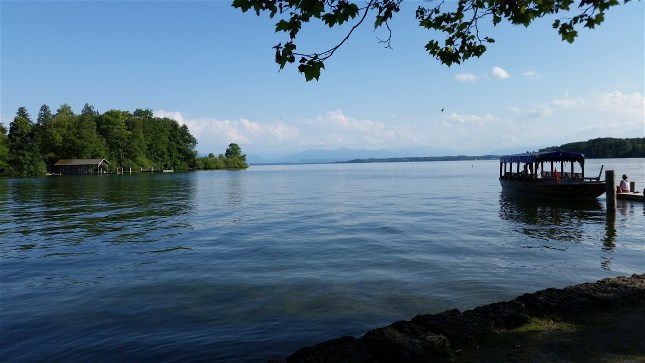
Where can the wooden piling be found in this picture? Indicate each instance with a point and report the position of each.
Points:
(610, 192)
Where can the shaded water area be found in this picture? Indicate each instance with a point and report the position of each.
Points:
(251, 265)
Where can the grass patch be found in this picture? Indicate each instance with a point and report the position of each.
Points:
(541, 324)
(519, 342)
(534, 328)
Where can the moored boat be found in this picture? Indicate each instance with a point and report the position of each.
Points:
(549, 174)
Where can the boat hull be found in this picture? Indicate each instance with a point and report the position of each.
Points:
(581, 190)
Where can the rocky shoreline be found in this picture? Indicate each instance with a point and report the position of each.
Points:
(438, 337)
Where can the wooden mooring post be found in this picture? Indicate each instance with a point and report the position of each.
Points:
(610, 192)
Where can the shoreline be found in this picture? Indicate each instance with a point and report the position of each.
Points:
(455, 336)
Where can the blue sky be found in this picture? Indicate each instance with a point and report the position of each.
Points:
(211, 67)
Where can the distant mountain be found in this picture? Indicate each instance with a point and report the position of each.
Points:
(345, 154)
(255, 159)
(330, 156)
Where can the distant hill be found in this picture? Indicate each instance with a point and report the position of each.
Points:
(423, 158)
(606, 147)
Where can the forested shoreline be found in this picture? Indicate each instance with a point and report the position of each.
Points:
(135, 140)
(606, 147)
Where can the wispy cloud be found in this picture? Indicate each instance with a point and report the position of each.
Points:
(466, 77)
(496, 72)
(466, 118)
(334, 128)
(615, 103)
(548, 108)
(532, 75)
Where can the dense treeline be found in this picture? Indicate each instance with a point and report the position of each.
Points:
(127, 140)
(232, 159)
(606, 147)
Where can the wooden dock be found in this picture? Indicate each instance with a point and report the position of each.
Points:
(631, 196)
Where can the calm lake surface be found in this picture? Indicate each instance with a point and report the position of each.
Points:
(251, 265)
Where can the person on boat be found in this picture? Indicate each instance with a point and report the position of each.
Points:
(624, 185)
(556, 176)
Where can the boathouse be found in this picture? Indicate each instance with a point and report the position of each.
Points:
(81, 166)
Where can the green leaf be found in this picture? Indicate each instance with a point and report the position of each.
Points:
(600, 18)
(379, 21)
(282, 26)
(244, 5)
(330, 19)
(311, 69)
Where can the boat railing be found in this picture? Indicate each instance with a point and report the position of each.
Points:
(595, 178)
(567, 175)
(545, 175)
(518, 176)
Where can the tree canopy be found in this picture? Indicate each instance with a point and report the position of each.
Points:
(457, 23)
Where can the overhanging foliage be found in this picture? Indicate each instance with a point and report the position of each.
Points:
(460, 37)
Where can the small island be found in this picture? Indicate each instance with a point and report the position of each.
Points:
(117, 140)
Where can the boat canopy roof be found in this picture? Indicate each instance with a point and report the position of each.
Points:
(544, 156)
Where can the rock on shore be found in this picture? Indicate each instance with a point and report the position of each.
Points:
(435, 337)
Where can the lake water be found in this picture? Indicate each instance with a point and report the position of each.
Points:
(225, 266)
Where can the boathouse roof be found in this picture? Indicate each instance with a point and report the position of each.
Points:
(80, 162)
(544, 156)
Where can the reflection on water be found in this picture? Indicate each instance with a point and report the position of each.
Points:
(234, 189)
(555, 224)
(549, 220)
(72, 211)
(628, 207)
(609, 242)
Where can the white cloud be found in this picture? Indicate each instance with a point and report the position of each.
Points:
(632, 104)
(337, 129)
(500, 73)
(214, 135)
(466, 77)
(172, 115)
